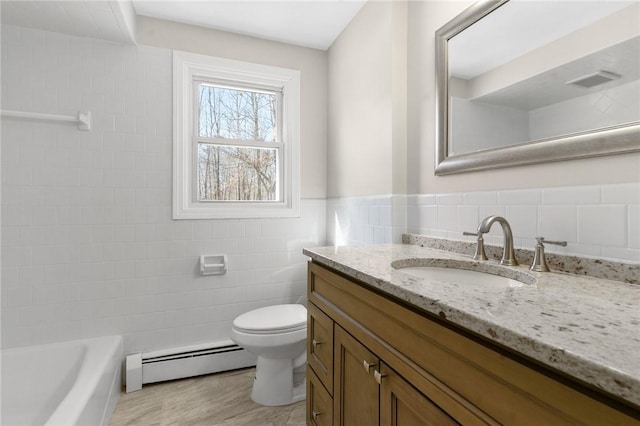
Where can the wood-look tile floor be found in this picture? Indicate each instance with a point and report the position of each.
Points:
(215, 399)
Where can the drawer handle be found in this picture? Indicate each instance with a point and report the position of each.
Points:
(367, 366)
(315, 414)
(378, 376)
(315, 343)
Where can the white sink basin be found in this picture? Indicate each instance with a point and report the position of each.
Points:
(461, 277)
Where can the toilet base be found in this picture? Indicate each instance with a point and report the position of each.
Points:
(273, 384)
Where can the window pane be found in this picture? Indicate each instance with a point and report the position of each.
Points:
(231, 173)
(237, 114)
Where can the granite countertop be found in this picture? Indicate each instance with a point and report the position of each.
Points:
(587, 328)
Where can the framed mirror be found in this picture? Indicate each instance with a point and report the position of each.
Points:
(523, 82)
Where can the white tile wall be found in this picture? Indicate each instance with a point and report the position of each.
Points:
(608, 107)
(88, 244)
(603, 225)
(366, 220)
(596, 220)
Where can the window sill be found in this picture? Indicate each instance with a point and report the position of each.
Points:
(236, 211)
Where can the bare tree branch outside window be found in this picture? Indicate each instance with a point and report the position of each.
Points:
(237, 172)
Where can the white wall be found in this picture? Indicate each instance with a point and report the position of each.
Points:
(88, 244)
(366, 104)
(485, 126)
(312, 64)
(377, 219)
(571, 178)
(367, 138)
(598, 221)
(544, 199)
(424, 18)
(602, 34)
(605, 108)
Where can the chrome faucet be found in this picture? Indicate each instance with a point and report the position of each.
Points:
(479, 254)
(508, 254)
(539, 260)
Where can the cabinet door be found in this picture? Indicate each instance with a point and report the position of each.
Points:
(320, 345)
(403, 405)
(319, 402)
(355, 393)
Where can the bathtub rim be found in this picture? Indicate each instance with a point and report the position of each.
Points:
(103, 358)
(101, 352)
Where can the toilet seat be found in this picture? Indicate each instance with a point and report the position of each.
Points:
(272, 320)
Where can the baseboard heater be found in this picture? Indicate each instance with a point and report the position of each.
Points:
(187, 361)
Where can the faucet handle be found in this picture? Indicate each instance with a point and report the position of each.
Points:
(479, 254)
(539, 259)
(556, 243)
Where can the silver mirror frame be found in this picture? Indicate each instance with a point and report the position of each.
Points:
(613, 140)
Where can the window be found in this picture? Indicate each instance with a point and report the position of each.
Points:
(236, 139)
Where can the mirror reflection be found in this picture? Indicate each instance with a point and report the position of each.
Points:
(534, 70)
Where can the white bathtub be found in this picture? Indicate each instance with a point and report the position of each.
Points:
(69, 383)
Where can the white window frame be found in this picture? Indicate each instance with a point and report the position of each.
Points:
(188, 68)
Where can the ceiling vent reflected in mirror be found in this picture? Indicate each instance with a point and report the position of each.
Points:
(551, 92)
(595, 79)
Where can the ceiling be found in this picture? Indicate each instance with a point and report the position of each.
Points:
(308, 23)
(521, 26)
(104, 19)
(551, 87)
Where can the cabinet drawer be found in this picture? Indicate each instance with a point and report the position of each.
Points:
(320, 345)
(319, 402)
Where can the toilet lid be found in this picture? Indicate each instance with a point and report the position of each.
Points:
(278, 318)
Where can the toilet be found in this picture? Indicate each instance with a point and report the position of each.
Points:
(277, 335)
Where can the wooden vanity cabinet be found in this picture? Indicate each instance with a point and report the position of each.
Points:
(319, 402)
(355, 398)
(320, 345)
(379, 361)
(368, 392)
(402, 404)
(319, 367)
